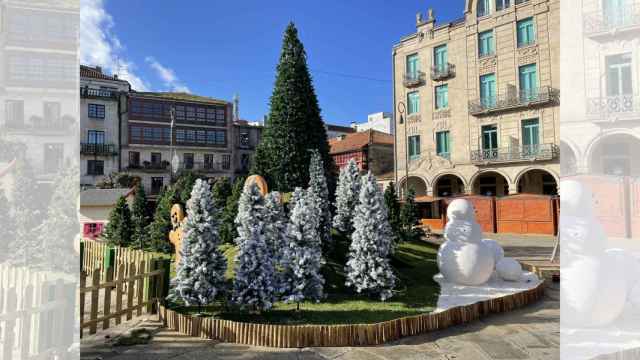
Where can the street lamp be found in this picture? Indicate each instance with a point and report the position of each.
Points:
(401, 110)
(175, 161)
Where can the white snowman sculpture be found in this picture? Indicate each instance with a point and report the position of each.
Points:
(464, 258)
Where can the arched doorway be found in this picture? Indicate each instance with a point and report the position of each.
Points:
(616, 155)
(537, 181)
(417, 184)
(490, 183)
(568, 160)
(448, 185)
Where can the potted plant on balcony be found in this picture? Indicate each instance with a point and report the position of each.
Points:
(146, 164)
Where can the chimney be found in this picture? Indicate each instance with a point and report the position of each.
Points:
(236, 105)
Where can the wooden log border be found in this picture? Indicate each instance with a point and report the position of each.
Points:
(298, 336)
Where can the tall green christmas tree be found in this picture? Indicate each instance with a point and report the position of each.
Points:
(119, 229)
(294, 125)
(393, 209)
(228, 230)
(221, 191)
(140, 219)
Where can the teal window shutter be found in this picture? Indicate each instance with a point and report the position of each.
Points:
(413, 103)
(526, 32)
(442, 143)
(440, 57)
(413, 65)
(528, 82)
(442, 97)
(414, 146)
(488, 90)
(530, 132)
(485, 43)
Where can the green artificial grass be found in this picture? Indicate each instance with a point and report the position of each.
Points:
(416, 292)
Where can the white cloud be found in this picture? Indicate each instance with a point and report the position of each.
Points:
(99, 46)
(167, 75)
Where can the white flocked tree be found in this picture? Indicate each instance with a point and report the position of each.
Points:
(303, 251)
(275, 231)
(200, 276)
(347, 197)
(318, 185)
(368, 269)
(254, 285)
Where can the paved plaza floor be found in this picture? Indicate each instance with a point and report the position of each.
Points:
(528, 333)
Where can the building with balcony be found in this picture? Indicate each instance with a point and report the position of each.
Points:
(246, 138)
(103, 105)
(601, 132)
(39, 81)
(167, 133)
(486, 119)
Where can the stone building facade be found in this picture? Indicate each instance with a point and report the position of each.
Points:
(201, 139)
(246, 138)
(372, 150)
(600, 124)
(102, 109)
(477, 101)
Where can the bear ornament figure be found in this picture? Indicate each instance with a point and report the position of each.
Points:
(464, 258)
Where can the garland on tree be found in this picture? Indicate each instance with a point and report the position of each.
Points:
(347, 197)
(368, 269)
(200, 275)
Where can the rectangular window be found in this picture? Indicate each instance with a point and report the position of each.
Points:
(156, 158)
(191, 136)
(51, 112)
(188, 160)
(156, 185)
(413, 66)
(489, 137)
(414, 147)
(615, 14)
(502, 4)
(442, 97)
(530, 136)
(180, 136)
(15, 114)
(483, 8)
(202, 136)
(442, 144)
(96, 111)
(413, 103)
(526, 32)
(134, 159)
(440, 57)
(95, 137)
(136, 134)
(95, 167)
(527, 75)
(221, 137)
(226, 162)
(208, 161)
(488, 90)
(485, 43)
(619, 75)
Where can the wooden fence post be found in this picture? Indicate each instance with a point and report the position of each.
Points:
(109, 258)
(82, 246)
(163, 288)
(150, 290)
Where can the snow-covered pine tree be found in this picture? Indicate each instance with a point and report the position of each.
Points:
(318, 185)
(347, 197)
(200, 275)
(368, 269)
(303, 251)
(275, 231)
(254, 285)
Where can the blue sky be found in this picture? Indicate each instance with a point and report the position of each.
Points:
(218, 48)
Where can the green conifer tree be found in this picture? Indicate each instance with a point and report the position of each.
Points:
(140, 219)
(294, 124)
(221, 191)
(393, 209)
(159, 228)
(119, 230)
(228, 231)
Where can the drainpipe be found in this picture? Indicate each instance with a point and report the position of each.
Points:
(395, 130)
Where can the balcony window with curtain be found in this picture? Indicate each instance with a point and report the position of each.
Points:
(413, 67)
(442, 96)
(440, 58)
(442, 144)
(486, 46)
(484, 8)
(530, 136)
(488, 90)
(528, 76)
(502, 4)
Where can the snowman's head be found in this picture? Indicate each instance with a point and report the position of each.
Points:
(460, 209)
(463, 230)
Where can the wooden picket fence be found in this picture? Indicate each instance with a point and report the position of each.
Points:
(297, 336)
(37, 314)
(97, 255)
(110, 294)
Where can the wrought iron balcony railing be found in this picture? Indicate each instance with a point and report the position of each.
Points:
(87, 92)
(414, 79)
(443, 71)
(514, 99)
(599, 22)
(607, 108)
(538, 152)
(98, 149)
(203, 166)
(152, 167)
